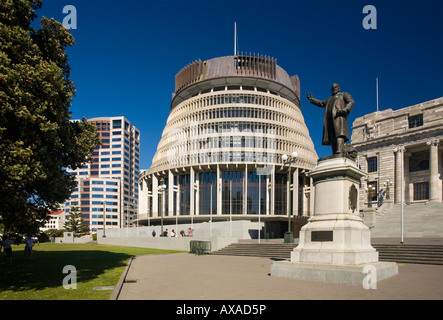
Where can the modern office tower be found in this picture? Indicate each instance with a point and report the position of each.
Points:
(110, 183)
(221, 153)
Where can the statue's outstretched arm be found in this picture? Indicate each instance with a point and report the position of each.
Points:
(316, 102)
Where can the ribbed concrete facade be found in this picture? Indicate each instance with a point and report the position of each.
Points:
(231, 120)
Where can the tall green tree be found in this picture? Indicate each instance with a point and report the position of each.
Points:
(37, 139)
(75, 222)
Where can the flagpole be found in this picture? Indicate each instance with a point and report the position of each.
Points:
(259, 206)
(230, 209)
(376, 84)
(402, 194)
(235, 38)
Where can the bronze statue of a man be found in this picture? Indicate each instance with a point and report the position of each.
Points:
(335, 122)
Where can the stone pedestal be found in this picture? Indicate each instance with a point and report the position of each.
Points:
(335, 244)
(369, 217)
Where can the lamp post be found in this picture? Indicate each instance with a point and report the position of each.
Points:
(210, 214)
(259, 206)
(127, 213)
(289, 236)
(387, 184)
(161, 190)
(104, 219)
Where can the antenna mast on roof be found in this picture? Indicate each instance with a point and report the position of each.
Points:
(235, 39)
(376, 86)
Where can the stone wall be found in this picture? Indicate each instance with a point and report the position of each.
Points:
(395, 138)
(68, 237)
(220, 234)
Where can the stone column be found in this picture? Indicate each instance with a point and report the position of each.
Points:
(272, 197)
(288, 195)
(170, 194)
(219, 191)
(434, 194)
(155, 196)
(149, 204)
(267, 192)
(407, 194)
(177, 204)
(148, 195)
(245, 190)
(192, 194)
(398, 174)
(295, 193)
(197, 197)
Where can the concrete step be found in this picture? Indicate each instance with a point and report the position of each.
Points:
(419, 220)
(424, 254)
(277, 250)
(421, 254)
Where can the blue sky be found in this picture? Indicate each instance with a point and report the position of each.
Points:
(128, 52)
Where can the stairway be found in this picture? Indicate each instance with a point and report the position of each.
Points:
(419, 220)
(410, 253)
(400, 253)
(384, 208)
(268, 250)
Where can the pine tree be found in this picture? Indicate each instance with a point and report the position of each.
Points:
(37, 139)
(75, 222)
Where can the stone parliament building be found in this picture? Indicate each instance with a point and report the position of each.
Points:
(401, 150)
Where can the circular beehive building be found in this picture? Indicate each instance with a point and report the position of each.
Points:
(231, 121)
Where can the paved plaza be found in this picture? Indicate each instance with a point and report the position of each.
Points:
(184, 276)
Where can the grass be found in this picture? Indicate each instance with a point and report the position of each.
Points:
(41, 278)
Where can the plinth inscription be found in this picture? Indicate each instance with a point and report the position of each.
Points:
(322, 236)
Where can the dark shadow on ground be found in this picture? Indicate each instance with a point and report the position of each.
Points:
(46, 268)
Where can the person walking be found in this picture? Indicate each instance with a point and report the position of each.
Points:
(29, 243)
(6, 244)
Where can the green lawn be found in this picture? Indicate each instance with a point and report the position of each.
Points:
(42, 277)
